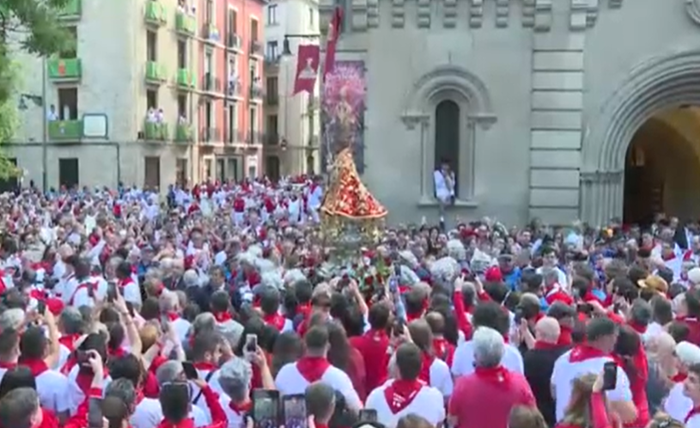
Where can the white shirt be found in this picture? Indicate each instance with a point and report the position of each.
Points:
(148, 414)
(440, 377)
(463, 363)
(213, 383)
(442, 191)
(54, 390)
(182, 327)
(428, 403)
(677, 405)
(289, 382)
(566, 371)
(235, 419)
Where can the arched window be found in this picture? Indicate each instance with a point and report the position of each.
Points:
(447, 137)
(272, 168)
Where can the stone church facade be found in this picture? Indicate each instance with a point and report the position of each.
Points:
(534, 101)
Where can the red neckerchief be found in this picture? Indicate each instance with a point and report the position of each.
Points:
(585, 352)
(426, 363)
(35, 365)
(172, 316)
(222, 316)
(68, 340)
(565, 338)
(641, 329)
(48, 419)
(116, 352)
(401, 393)
(669, 257)
(185, 423)
(126, 281)
(441, 347)
(276, 320)
(496, 375)
(304, 308)
(694, 411)
(139, 396)
(7, 365)
(679, 377)
(240, 409)
(84, 379)
(205, 365)
(539, 344)
(312, 368)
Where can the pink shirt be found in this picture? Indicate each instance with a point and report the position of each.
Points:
(504, 389)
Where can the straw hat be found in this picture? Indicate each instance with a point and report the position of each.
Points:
(653, 282)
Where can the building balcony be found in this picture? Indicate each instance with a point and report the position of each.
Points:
(234, 136)
(185, 23)
(186, 79)
(211, 84)
(233, 89)
(210, 33)
(272, 138)
(233, 41)
(183, 133)
(272, 62)
(64, 69)
(155, 14)
(65, 130)
(255, 137)
(256, 48)
(256, 92)
(210, 135)
(155, 131)
(155, 72)
(72, 10)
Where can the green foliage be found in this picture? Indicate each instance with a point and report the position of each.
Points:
(32, 26)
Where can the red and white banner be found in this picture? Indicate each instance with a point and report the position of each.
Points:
(307, 68)
(332, 43)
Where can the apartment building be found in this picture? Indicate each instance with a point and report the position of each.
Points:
(132, 102)
(292, 124)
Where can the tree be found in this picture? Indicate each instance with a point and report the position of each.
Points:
(32, 26)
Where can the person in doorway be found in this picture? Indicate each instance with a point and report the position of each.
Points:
(444, 182)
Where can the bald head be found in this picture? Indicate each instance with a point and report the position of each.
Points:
(547, 330)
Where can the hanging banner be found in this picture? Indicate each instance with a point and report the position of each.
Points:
(307, 68)
(332, 43)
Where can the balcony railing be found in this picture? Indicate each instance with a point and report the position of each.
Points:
(72, 10)
(64, 68)
(210, 135)
(155, 13)
(211, 84)
(256, 92)
(65, 130)
(155, 72)
(235, 136)
(256, 47)
(211, 33)
(255, 137)
(233, 41)
(183, 133)
(155, 131)
(186, 79)
(233, 88)
(185, 23)
(272, 138)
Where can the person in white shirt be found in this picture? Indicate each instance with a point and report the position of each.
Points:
(51, 115)
(434, 371)
(601, 335)
(692, 391)
(490, 315)
(677, 404)
(148, 412)
(235, 379)
(170, 308)
(407, 394)
(294, 378)
(444, 183)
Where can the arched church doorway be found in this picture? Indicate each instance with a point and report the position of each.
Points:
(662, 167)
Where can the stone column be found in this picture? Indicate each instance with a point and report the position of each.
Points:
(601, 196)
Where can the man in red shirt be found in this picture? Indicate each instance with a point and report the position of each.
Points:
(373, 346)
(505, 389)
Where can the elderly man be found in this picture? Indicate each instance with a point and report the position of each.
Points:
(235, 379)
(677, 404)
(170, 308)
(539, 364)
(662, 369)
(505, 389)
(148, 412)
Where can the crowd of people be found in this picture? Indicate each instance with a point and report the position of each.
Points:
(222, 306)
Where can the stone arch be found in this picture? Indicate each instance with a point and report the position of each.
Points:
(662, 82)
(449, 79)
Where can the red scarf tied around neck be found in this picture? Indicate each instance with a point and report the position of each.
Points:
(240, 409)
(426, 364)
(401, 393)
(68, 340)
(312, 368)
(276, 320)
(222, 316)
(585, 352)
(35, 365)
(539, 344)
(497, 375)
